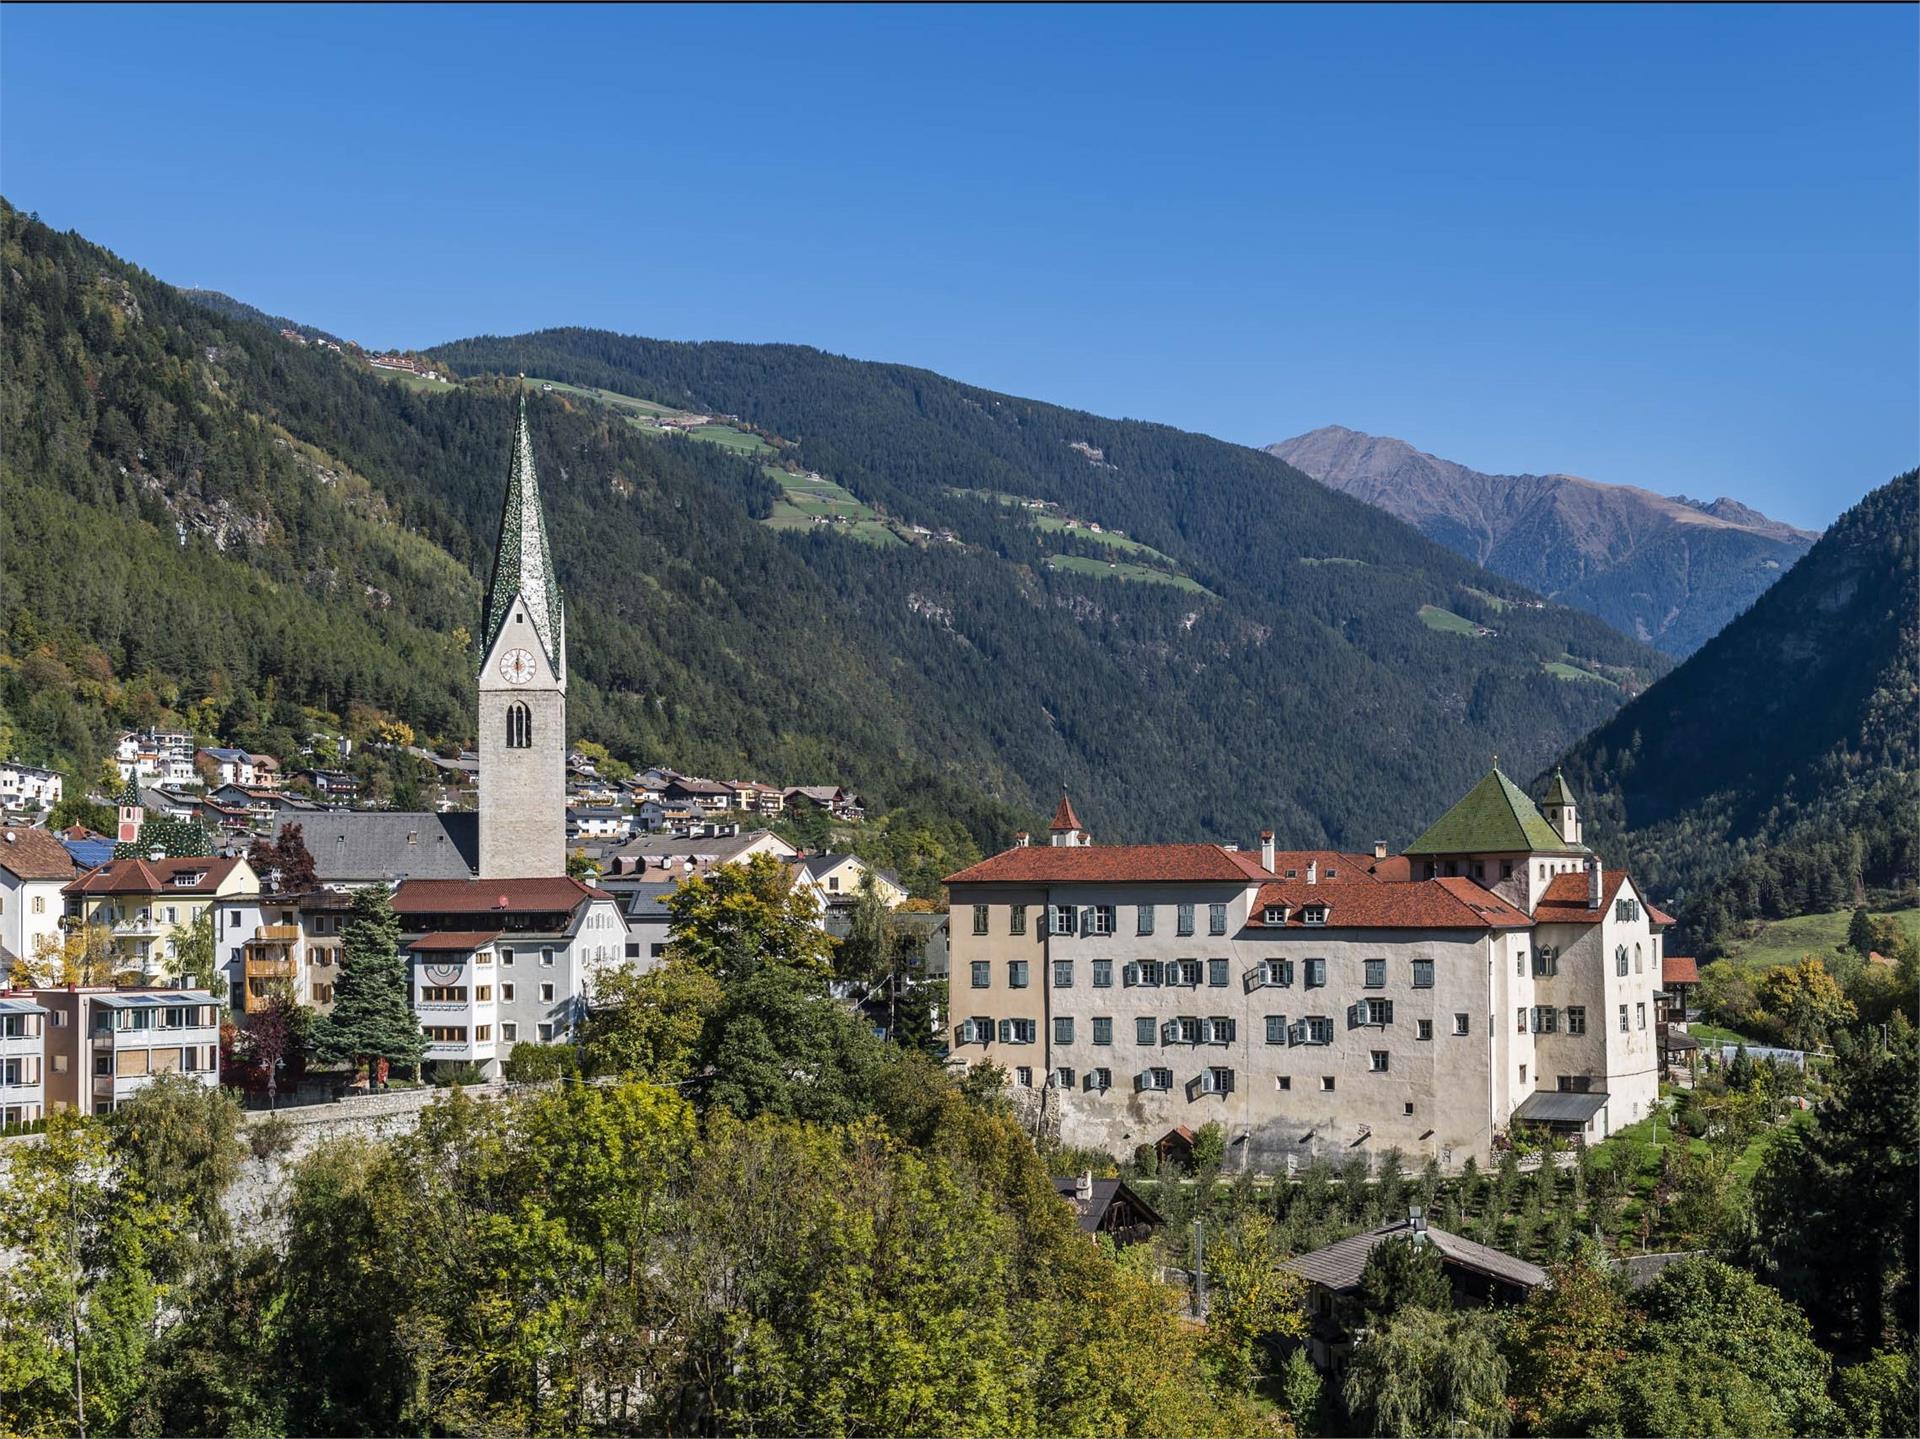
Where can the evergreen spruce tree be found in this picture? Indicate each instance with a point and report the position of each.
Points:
(371, 1019)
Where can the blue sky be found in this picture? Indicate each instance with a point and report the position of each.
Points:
(1670, 247)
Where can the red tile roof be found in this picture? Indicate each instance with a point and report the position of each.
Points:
(1366, 904)
(491, 896)
(1327, 863)
(29, 853)
(1658, 915)
(1063, 815)
(1565, 898)
(1110, 864)
(456, 939)
(154, 876)
(1679, 969)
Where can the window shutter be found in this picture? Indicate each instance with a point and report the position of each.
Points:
(1130, 975)
(1228, 1025)
(1227, 1086)
(1006, 1031)
(1086, 920)
(1253, 979)
(1170, 1032)
(1353, 1016)
(1389, 1009)
(1140, 1080)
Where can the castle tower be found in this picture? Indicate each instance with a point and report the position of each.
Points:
(131, 813)
(523, 691)
(1066, 831)
(1560, 810)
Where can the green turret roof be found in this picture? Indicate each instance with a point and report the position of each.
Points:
(1494, 817)
(522, 565)
(1557, 791)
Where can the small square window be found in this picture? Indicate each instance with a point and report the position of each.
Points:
(1423, 974)
(1377, 1061)
(981, 971)
(1408, 1109)
(1423, 1029)
(1103, 974)
(1460, 1023)
(1103, 1031)
(1326, 1084)
(1023, 1076)
(1144, 1030)
(546, 993)
(1375, 976)
(1062, 1030)
(1217, 973)
(1016, 974)
(1063, 974)
(1283, 1081)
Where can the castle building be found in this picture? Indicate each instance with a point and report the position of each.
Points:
(1316, 1002)
(523, 691)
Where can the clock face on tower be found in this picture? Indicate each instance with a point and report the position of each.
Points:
(516, 667)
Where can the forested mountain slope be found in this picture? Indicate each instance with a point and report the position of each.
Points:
(204, 519)
(1775, 772)
(1672, 571)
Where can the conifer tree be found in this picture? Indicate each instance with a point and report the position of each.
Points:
(371, 1019)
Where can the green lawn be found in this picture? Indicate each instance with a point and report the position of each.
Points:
(627, 404)
(1788, 941)
(1051, 525)
(743, 442)
(1494, 601)
(413, 381)
(1123, 570)
(1447, 622)
(1559, 669)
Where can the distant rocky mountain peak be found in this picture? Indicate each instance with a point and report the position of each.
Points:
(1666, 569)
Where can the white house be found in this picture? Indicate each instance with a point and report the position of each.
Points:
(28, 787)
(34, 868)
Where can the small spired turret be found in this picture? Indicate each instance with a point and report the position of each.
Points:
(1560, 810)
(1066, 831)
(132, 812)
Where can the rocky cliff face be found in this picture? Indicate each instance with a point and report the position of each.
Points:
(1668, 570)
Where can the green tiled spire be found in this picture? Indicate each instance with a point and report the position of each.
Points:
(1494, 817)
(522, 564)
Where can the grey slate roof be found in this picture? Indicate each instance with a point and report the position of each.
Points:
(1339, 1266)
(372, 846)
(1550, 1107)
(1105, 1191)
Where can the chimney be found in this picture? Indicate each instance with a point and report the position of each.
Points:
(1379, 849)
(1083, 1187)
(1593, 882)
(1313, 871)
(1417, 1221)
(1021, 840)
(1266, 850)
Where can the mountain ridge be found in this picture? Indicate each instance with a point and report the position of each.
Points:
(1667, 569)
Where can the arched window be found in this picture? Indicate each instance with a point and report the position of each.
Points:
(519, 726)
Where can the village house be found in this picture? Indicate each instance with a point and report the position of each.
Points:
(103, 1044)
(29, 789)
(543, 944)
(35, 869)
(231, 766)
(23, 1058)
(143, 901)
(835, 880)
(1313, 1003)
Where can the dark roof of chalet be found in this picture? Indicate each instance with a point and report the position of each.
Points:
(1547, 1106)
(1105, 1193)
(1679, 969)
(1494, 817)
(493, 896)
(1063, 816)
(363, 845)
(647, 901)
(1678, 1040)
(29, 853)
(459, 940)
(1339, 1266)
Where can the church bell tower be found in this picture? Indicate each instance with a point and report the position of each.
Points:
(523, 691)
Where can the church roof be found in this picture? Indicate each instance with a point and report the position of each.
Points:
(1063, 817)
(1494, 817)
(522, 565)
(1557, 791)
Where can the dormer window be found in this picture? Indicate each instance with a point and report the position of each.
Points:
(1274, 914)
(1314, 914)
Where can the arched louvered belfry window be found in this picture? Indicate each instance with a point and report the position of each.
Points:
(519, 726)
